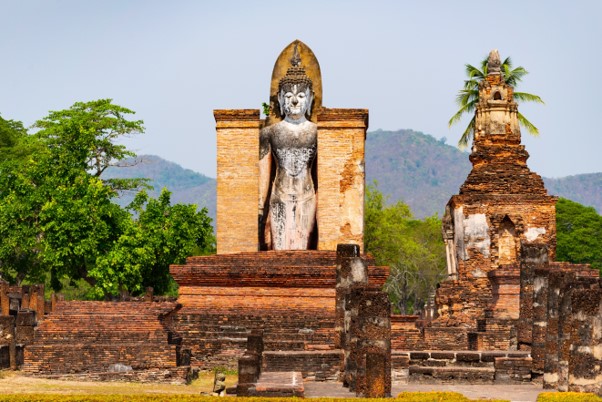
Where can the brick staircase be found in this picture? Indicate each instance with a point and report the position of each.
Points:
(86, 337)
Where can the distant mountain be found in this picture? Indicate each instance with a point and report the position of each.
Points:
(585, 189)
(416, 168)
(186, 186)
(410, 166)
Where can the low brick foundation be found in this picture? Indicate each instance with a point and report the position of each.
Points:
(90, 337)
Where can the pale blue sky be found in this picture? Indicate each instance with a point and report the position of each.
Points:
(173, 62)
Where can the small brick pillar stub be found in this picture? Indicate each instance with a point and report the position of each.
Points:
(148, 296)
(255, 342)
(237, 180)
(249, 364)
(351, 270)
(532, 256)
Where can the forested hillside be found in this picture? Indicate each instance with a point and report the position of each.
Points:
(187, 186)
(416, 168)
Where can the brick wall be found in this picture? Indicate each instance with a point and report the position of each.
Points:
(81, 336)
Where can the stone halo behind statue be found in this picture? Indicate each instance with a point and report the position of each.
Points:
(281, 66)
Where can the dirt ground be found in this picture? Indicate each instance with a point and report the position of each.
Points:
(16, 383)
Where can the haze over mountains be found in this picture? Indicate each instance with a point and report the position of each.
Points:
(410, 166)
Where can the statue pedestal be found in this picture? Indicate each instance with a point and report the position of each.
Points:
(290, 295)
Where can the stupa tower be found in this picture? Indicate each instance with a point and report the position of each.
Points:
(501, 205)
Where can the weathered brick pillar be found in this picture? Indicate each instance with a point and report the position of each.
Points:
(532, 256)
(586, 338)
(237, 180)
(351, 270)
(4, 299)
(341, 177)
(370, 343)
(565, 322)
(540, 318)
(36, 301)
(550, 377)
(25, 296)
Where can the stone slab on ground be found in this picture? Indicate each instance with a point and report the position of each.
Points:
(280, 383)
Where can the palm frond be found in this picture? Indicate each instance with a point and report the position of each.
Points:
(466, 96)
(514, 76)
(534, 131)
(467, 135)
(465, 109)
(527, 97)
(472, 72)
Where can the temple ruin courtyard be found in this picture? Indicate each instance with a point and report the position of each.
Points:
(292, 303)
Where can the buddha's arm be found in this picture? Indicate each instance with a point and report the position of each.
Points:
(265, 164)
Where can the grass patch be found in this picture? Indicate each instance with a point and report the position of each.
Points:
(436, 396)
(568, 397)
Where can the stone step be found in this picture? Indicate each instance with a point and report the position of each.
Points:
(251, 273)
(275, 258)
(457, 375)
(474, 358)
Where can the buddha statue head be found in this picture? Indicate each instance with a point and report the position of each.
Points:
(295, 93)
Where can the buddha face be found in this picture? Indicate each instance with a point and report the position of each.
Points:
(295, 101)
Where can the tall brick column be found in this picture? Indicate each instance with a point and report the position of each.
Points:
(341, 177)
(237, 180)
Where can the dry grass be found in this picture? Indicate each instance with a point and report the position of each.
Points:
(15, 383)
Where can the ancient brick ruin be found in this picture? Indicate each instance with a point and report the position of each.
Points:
(507, 313)
(504, 313)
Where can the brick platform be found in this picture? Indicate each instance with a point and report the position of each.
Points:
(290, 295)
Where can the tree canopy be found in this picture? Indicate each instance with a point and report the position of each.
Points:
(57, 216)
(412, 248)
(578, 233)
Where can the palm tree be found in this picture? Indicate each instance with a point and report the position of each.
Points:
(468, 97)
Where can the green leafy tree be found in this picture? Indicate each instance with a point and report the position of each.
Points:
(412, 248)
(160, 235)
(468, 97)
(578, 233)
(58, 220)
